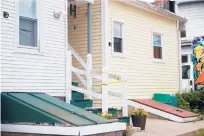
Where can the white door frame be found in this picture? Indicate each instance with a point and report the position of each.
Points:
(190, 63)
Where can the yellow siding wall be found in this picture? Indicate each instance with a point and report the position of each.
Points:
(144, 76)
(78, 38)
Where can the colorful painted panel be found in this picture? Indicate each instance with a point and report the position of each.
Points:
(198, 60)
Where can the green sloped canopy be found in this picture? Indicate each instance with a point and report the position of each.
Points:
(42, 108)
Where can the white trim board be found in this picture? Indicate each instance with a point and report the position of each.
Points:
(104, 33)
(57, 130)
(179, 55)
(160, 113)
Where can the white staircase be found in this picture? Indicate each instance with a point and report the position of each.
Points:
(90, 74)
(106, 78)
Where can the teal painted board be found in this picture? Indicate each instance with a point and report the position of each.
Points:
(14, 110)
(77, 95)
(166, 98)
(76, 110)
(82, 103)
(51, 109)
(112, 111)
(75, 84)
(98, 111)
(163, 98)
(124, 119)
(174, 101)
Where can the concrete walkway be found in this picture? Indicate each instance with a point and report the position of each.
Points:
(156, 127)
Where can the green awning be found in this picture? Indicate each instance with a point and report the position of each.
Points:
(42, 108)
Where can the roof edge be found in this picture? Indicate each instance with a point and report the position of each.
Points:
(151, 8)
(189, 1)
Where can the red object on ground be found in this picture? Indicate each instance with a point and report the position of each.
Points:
(200, 79)
(166, 108)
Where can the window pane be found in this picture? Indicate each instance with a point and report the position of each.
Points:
(117, 44)
(186, 72)
(184, 59)
(157, 52)
(156, 40)
(183, 33)
(27, 8)
(117, 30)
(28, 32)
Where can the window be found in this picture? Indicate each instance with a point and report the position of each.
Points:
(172, 6)
(186, 72)
(184, 58)
(157, 46)
(118, 37)
(27, 23)
(183, 33)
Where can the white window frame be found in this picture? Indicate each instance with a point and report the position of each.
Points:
(162, 48)
(40, 30)
(190, 58)
(189, 72)
(123, 53)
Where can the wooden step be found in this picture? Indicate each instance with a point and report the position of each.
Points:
(82, 103)
(98, 110)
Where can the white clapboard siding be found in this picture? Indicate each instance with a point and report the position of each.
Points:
(193, 12)
(36, 72)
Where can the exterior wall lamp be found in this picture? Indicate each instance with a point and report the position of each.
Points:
(6, 14)
(56, 14)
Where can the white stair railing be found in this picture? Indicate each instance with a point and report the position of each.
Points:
(68, 76)
(105, 91)
(90, 74)
(76, 55)
(81, 79)
(89, 77)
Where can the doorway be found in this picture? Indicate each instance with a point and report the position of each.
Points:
(187, 73)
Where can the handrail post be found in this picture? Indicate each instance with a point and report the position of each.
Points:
(89, 77)
(124, 96)
(68, 92)
(105, 92)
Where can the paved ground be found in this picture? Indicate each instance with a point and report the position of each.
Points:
(156, 127)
